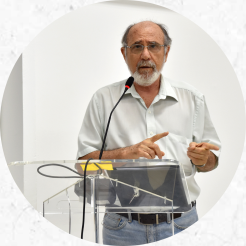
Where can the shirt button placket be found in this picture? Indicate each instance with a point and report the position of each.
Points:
(150, 120)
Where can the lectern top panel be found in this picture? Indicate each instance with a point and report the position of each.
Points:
(136, 162)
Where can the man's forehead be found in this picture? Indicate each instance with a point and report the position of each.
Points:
(145, 31)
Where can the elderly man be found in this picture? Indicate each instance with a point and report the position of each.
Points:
(156, 115)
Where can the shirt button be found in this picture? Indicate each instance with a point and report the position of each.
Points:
(151, 133)
(150, 112)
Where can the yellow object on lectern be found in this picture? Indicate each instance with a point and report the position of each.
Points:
(91, 167)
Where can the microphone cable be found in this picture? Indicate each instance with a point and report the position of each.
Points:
(128, 85)
(83, 220)
(80, 175)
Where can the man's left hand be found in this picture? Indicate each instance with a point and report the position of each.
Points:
(199, 152)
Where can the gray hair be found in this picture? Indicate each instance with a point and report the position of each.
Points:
(167, 39)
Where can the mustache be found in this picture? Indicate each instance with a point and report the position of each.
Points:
(147, 64)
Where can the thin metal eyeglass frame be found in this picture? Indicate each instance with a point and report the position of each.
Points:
(143, 46)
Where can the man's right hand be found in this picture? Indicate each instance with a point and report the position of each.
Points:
(147, 148)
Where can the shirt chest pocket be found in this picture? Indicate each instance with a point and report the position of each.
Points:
(176, 148)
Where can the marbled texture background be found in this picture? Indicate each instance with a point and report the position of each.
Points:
(223, 20)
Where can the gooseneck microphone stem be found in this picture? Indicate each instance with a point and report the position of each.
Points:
(105, 136)
(128, 85)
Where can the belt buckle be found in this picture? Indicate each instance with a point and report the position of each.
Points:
(156, 220)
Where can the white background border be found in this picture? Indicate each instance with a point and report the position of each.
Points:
(21, 21)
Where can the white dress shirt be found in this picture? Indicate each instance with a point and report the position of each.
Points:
(179, 108)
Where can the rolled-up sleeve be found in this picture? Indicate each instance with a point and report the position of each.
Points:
(204, 130)
(90, 135)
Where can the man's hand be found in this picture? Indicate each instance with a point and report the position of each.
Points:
(200, 154)
(147, 148)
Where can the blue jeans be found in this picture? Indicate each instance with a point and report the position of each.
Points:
(119, 230)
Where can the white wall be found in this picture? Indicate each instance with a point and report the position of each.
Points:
(12, 122)
(80, 53)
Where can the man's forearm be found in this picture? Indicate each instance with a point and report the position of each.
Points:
(210, 164)
(107, 154)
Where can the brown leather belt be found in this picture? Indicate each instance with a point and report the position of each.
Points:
(150, 219)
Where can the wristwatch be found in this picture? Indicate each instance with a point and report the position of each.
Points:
(197, 165)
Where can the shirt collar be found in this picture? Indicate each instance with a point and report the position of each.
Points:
(132, 91)
(165, 90)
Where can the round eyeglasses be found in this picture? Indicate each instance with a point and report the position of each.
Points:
(138, 48)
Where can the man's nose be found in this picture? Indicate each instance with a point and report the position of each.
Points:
(145, 55)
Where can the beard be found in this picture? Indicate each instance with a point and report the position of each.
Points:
(146, 78)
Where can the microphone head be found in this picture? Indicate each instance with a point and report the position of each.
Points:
(129, 83)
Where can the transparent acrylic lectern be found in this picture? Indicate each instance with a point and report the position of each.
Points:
(112, 186)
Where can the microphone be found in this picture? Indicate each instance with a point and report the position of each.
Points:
(128, 85)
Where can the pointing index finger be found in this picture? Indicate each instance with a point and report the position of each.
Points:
(158, 136)
(211, 146)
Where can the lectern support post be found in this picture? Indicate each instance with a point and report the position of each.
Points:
(95, 208)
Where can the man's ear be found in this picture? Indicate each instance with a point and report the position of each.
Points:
(166, 55)
(123, 52)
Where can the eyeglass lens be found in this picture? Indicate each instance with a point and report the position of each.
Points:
(138, 48)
